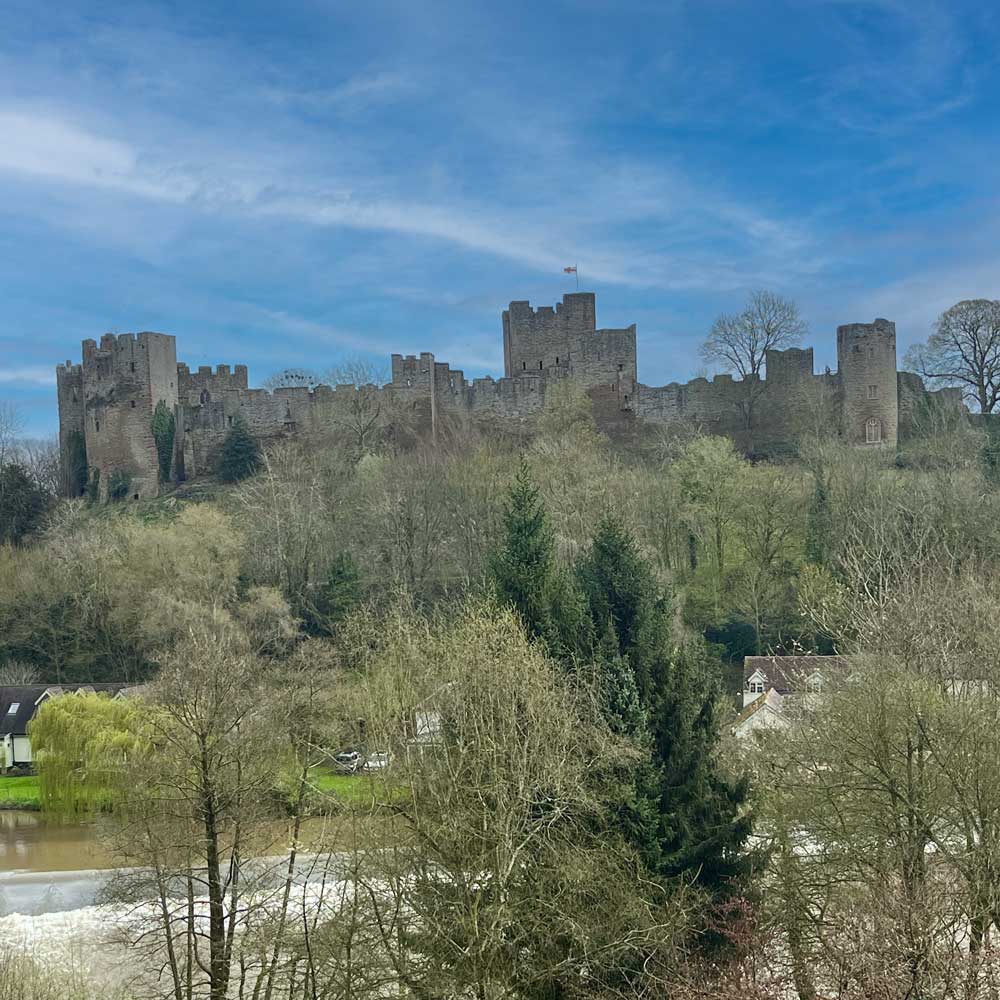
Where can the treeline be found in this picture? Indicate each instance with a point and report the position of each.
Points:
(733, 541)
(535, 633)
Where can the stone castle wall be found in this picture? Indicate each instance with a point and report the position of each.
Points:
(111, 396)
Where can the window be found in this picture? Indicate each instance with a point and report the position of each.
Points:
(230, 419)
(539, 366)
(524, 366)
(14, 706)
(97, 425)
(131, 366)
(557, 359)
(621, 367)
(873, 431)
(755, 687)
(131, 403)
(873, 392)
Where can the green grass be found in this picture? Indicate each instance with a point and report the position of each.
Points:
(19, 793)
(351, 788)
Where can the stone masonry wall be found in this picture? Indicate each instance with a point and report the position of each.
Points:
(123, 380)
(112, 395)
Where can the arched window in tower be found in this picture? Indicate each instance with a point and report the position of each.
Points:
(873, 431)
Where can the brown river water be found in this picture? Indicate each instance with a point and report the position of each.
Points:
(31, 842)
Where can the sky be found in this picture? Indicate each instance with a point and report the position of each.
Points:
(293, 184)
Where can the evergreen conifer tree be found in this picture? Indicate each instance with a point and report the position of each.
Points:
(524, 573)
(23, 504)
(703, 822)
(240, 455)
(622, 596)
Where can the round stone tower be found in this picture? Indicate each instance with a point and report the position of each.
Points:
(866, 358)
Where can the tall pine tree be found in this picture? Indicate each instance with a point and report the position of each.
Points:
(622, 597)
(702, 819)
(525, 574)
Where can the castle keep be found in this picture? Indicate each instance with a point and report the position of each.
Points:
(107, 404)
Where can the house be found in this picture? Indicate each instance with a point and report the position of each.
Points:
(764, 712)
(770, 681)
(20, 704)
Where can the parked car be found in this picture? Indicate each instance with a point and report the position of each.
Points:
(377, 761)
(348, 762)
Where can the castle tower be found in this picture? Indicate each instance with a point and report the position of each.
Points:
(122, 381)
(72, 439)
(866, 359)
(535, 340)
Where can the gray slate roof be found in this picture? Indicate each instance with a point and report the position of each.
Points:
(789, 673)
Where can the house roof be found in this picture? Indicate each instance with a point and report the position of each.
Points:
(788, 673)
(27, 698)
(770, 699)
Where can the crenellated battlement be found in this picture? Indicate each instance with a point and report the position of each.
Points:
(109, 400)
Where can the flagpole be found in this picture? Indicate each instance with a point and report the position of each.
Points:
(576, 271)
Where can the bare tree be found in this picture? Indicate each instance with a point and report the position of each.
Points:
(17, 673)
(10, 429)
(741, 342)
(292, 378)
(964, 350)
(362, 415)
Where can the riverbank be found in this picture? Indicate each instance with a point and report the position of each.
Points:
(24, 793)
(20, 793)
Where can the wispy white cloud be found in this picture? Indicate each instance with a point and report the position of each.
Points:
(52, 148)
(27, 376)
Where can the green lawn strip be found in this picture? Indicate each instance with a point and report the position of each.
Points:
(19, 793)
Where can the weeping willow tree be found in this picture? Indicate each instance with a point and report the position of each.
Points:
(81, 744)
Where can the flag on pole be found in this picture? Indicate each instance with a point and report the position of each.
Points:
(569, 270)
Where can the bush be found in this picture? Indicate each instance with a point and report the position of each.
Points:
(119, 484)
(240, 455)
(164, 427)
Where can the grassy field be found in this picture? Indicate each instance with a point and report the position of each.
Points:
(19, 793)
(23, 793)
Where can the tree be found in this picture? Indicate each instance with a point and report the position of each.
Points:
(11, 426)
(710, 472)
(964, 350)
(164, 427)
(524, 572)
(624, 603)
(366, 413)
(292, 378)
(705, 819)
(768, 322)
(510, 879)
(23, 504)
(701, 819)
(240, 454)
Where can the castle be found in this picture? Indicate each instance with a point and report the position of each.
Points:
(107, 404)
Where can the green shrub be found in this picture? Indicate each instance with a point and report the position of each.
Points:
(119, 484)
(164, 429)
(240, 455)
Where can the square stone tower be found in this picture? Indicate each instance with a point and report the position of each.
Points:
(111, 399)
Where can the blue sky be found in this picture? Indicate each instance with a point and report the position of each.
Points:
(285, 184)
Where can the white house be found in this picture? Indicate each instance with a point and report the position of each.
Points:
(20, 704)
(769, 681)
